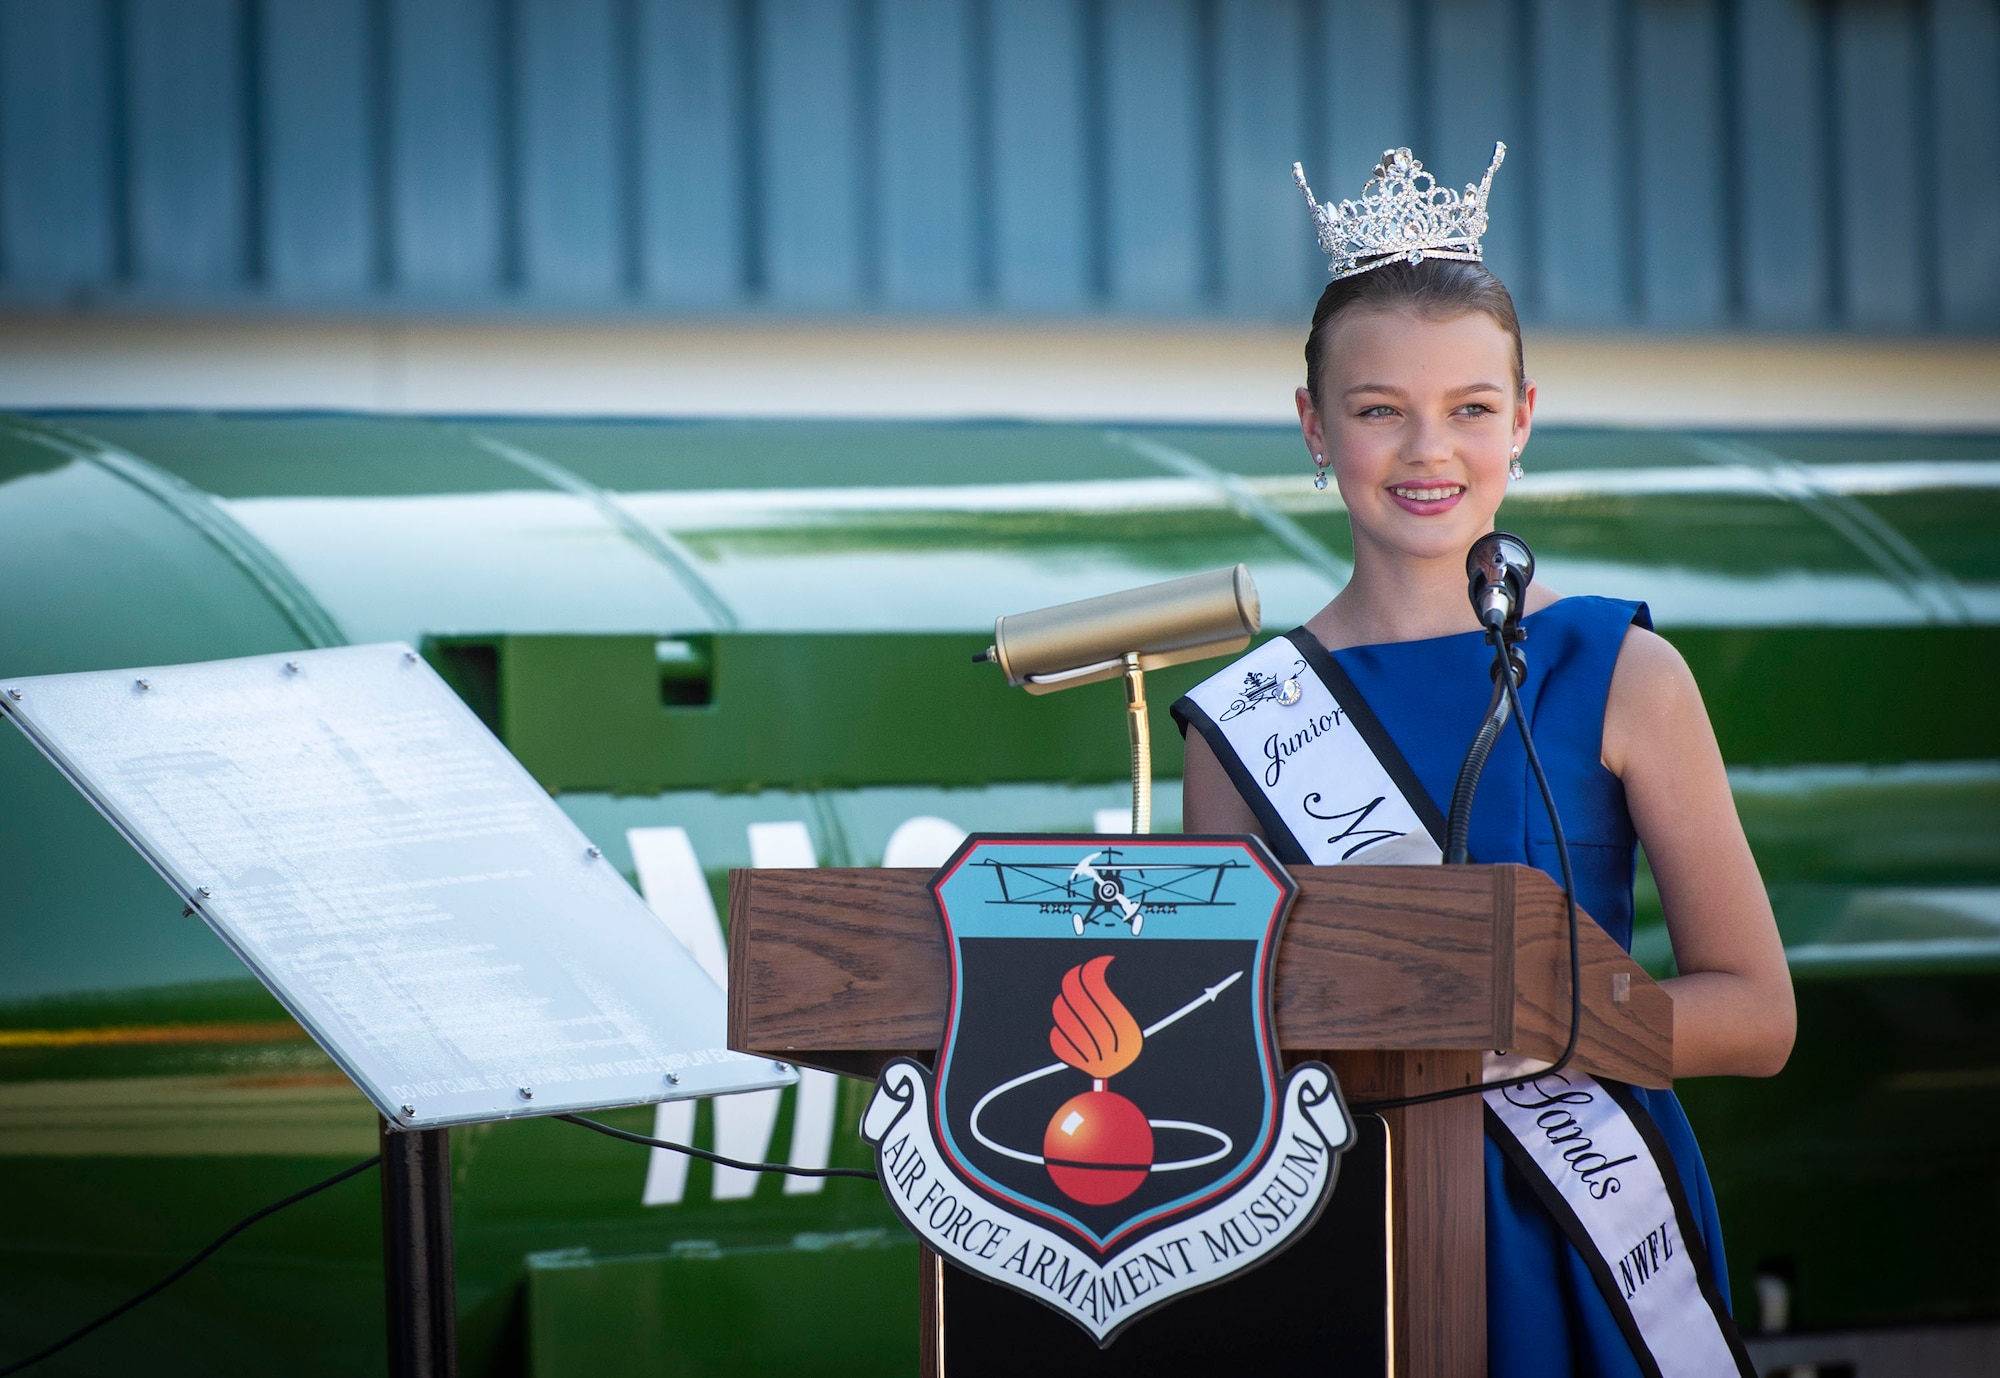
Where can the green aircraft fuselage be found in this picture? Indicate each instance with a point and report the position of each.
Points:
(706, 626)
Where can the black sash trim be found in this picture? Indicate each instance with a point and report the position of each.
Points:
(1284, 845)
(1531, 1175)
(1670, 1173)
(1372, 732)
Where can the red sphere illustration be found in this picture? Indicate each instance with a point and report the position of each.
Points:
(1098, 1147)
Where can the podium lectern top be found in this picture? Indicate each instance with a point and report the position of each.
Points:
(842, 968)
(1398, 975)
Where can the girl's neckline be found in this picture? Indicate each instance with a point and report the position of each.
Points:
(1479, 635)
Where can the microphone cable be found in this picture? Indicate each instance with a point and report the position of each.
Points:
(784, 1169)
(247, 1221)
(171, 1278)
(1569, 903)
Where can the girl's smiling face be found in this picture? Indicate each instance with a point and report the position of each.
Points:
(1418, 418)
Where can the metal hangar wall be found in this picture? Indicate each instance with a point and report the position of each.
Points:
(1762, 165)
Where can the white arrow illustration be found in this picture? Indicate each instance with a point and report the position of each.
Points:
(1207, 997)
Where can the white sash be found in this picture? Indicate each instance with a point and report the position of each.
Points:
(1309, 757)
(1328, 785)
(1595, 1159)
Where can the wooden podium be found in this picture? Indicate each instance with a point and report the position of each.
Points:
(1398, 976)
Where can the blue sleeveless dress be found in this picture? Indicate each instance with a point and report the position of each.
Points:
(1544, 1313)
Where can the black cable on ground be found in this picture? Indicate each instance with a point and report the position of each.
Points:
(1575, 956)
(708, 1157)
(171, 1278)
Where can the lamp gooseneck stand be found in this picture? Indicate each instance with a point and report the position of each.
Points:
(1140, 733)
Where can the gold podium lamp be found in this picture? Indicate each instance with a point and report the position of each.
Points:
(1129, 633)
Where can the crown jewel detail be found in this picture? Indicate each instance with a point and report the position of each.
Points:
(1403, 216)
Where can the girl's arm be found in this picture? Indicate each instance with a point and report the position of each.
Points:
(1733, 1010)
(1209, 802)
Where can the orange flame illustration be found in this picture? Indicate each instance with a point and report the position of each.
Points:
(1094, 1032)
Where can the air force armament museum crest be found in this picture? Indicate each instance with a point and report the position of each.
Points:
(1109, 1126)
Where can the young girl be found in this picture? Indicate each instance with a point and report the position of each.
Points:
(1416, 401)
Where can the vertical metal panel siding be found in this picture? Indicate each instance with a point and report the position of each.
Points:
(189, 170)
(1154, 107)
(1674, 164)
(1878, 195)
(1785, 240)
(813, 137)
(1681, 163)
(1476, 68)
(1577, 165)
(929, 154)
(447, 145)
(58, 193)
(1364, 86)
(1267, 253)
(690, 158)
(571, 139)
(1962, 125)
(1044, 183)
(318, 227)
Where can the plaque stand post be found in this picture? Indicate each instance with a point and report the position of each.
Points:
(420, 1291)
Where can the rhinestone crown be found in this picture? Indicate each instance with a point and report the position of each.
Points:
(1403, 216)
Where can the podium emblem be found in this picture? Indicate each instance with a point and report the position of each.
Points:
(1109, 1126)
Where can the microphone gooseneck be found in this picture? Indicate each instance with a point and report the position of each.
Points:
(1501, 567)
(1458, 826)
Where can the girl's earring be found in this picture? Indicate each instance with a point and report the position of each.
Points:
(1514, 469)
(1319, 471)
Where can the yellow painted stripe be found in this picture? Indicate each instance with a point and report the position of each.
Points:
(141, 1035)
(308, 1113)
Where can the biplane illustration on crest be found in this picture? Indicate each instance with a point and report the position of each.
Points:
(1105, 889)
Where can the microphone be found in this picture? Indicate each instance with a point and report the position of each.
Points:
(1500, 567)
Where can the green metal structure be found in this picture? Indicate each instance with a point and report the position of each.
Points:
(708, 625)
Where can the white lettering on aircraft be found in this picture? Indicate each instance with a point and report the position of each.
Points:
(671, 879)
